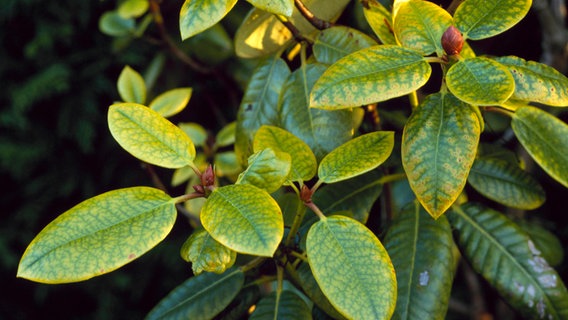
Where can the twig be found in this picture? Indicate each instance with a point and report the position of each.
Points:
(290, 26)
(454, 5)
(315, 21)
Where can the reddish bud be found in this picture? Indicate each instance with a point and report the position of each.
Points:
(306, 194)
(199, 189)
(452, 41)
(208, 177)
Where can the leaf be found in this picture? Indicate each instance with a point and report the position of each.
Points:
(492, 244)
(281, 7)
(133, 8)
(283, 305)
(240, 306)
(195, 132)
(112, 24)
(131, 86)
(206, 254)
(197, 15)
(411, 241)
(267, 170)
(505, 183)
(439, 144)
(545, 138)
(99, 235)
(545, 241)
(226, 135)
(370, 75)
(480, 81)
(537, 82)
(244, 218)
(420, 24)
(358, 280)
(480, 19)
(303, 162)
(149, 137)
(335, 43)
(200, 297)
(380, 20)
(171, 102)
(226, 164)
(356, 157)
(313, 291)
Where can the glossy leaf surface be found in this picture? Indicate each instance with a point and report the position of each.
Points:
(226, 135)
(267, 170)
(99, 235)
(380, 20)
(197, 15)
(313, 291)
(545, 241)
(148, 136)
(335, 43)
(206, 254)
(171, 102)
(286, 305)
(281, 7)
(131, 86)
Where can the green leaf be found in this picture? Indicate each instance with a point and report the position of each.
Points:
(206, 254)
(240, 306)
(492, 244)
(545, 137)
(480, 81)
(506, 183)
(267, 170)
(356, 157)
(480, 19)
(226, 164)
(370, 75)
(545, 241)
(131, 86)
(150, 137)
(420, 24)
(281, 7)
(200, 297)
(380, 20)
(439, 144)
(211, 47)
(352, 268)
(133, 8)
(411, 241)
(197, 15)
(171, 102)
(112, 24)
(283, 305)
(99, 235)
(303, 161)
(195, 132)
(322, 130)
(313, 291)
(335, 43)
(226, 135)
(537, 82)
(244, 218)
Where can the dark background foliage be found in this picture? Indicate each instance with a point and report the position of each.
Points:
(58, 76)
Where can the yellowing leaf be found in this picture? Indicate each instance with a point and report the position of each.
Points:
(267, 170)
(197, 15)
(131, 86)
(335, 43)
(133, 8)
(380, 20)
(281, 7)
(206, 254)
(171, 102)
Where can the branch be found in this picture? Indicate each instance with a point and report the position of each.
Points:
(315, 21)
(290, 26)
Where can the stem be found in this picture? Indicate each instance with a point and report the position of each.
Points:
(454, 5)
(300, 213)
(392, 177)
(413, 97)
(290, 26)
(253, 264)
(187, 197)
(316, 210)
(155, 179)
(315, 21)
(316, 186)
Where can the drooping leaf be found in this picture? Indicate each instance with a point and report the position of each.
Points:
(133, 8)
(358, 280)
(411, 241)
(283, 305)
(197, 15)
(492, 243)
(195, 132)
(480, 81)
(226, 135)
(171, 102)
(439, 144)
(150, 137)
(505, 183)
(200, 297)
(131, 86)
(99, 235)
(537, 82)
(206, 254)
(545, 241)
(312, 289)
(480, 19)
(267, 170)
(370, 75)
(112, 24)
(244, 218)
(545, 137)
(304, 163)
(420, 24)
(335, 43)
(380, 20)
(281, 7)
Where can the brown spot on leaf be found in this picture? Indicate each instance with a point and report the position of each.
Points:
(131, 256)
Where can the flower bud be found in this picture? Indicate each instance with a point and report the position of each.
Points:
(452, 41)
(199, 189)
(306, 194)
(208, 177)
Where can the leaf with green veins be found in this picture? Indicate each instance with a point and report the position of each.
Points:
(195, 132)
(260, 103)
(281, 7)
(493, 243)
(99, 235)
(226, 164)
(545, 241)
(304, 163)
(506, 183)
(358, 280)
(148, 136)
(411, 241)
(171, 102)
(356, 157)
(286, 305)
(545, 137)
(380, 20)
(267, 170)
(244, 218)
(131, 86)
(201, 297)
(335, 43)
(480, 81)
(226, 135)
(537, 82)
(197, 15)
(313, 291)
(480, 19)
(206, 254)
(420, 24)
(439, 144)
(312, 125)
(370, 75)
